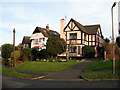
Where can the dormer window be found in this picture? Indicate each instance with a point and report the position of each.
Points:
(36, 34)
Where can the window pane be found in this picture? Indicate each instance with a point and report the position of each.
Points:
(39, 40)
(83, 36)
(73, 35)
(73, 49)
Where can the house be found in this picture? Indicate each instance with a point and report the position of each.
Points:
(78, 36)
(20, 46)
(40, 35)
(26, 42)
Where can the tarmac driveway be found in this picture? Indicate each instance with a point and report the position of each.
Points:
(73, 72)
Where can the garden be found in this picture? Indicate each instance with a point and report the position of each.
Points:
(102, 70)
(46, 60)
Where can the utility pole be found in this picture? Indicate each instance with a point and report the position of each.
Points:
(13, 47)
(113, 37)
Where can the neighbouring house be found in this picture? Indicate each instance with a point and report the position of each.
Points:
(78, 36)
(40, 35)
(20, 46)
(26, 42)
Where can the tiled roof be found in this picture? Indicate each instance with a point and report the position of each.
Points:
(46, 32)
(26, 40)
(89, 29)
(92, 29)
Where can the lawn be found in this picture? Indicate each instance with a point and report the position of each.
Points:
(105, 75)
(14, 73)
(47, 66)
(102, 65)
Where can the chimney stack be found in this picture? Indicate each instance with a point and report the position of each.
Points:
(62, 33)
(47, 27)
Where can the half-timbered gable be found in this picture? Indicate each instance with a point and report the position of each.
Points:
(77, 36)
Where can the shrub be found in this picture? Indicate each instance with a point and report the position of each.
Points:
(17, 55)
(26, 54)
(6, 52)
(88, 52)
(43, 54)
(34, 53)
(17, 49)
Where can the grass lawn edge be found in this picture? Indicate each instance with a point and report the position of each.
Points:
(27, 76)
(99, 77)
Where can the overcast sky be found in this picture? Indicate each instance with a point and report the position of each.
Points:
(25, 15)
(119, 11)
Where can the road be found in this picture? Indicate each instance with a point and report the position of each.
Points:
(10, 82)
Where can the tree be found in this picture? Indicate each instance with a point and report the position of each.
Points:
(6, 52)
(118, 41)
(88, 52)
(26, 54)
(55, 45)
(109, 51)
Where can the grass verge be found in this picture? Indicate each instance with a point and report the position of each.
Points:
(14, 73)
(106, 75)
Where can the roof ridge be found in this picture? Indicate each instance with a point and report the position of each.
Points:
(93, 25)
(41, 27)
(26, 36)
(46, 29)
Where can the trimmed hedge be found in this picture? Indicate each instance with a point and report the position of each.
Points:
(88, 52)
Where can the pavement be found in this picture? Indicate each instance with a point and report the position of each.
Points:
(16, 83)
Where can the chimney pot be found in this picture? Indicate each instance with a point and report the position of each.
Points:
(47, 27)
